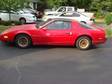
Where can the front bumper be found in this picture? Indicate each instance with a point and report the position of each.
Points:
(0, 37)
(4, 38)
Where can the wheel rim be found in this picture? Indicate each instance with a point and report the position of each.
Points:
(83, 43)
(22, 21)
(23, 41)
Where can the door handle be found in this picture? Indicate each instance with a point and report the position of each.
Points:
(70, 33)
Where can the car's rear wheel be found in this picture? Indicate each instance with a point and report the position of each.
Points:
(23, 41)
(84, 43)
(22, 20)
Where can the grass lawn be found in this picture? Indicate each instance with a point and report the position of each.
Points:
(2, 28)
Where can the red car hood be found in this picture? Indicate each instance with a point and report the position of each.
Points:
(21, 27)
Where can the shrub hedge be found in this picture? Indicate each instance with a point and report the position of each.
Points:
(108, 19)
(8, 23)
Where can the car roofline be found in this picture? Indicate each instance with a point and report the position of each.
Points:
(54, 19)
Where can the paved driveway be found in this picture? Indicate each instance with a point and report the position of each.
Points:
(56, 65)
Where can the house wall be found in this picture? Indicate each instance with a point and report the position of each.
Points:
(33, 4)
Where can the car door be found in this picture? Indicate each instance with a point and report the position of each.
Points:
(57, 33)
(4, 15)
(15, 15)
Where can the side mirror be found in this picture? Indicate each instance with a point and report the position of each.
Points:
(44, 29)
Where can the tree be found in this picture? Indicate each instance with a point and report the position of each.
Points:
(42, 4)
(99, 5)
(56, 3)
(76, 3)
(12, 5)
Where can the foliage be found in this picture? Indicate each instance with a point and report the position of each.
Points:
(100, 14)
(42, 4)
(95, 5)
(109, 32)
(2, 28)
(98, 5)
(80, 3)
(56, 3)
(9, 5)
(108, 19)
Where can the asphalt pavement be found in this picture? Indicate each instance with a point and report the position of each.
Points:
(56, 65)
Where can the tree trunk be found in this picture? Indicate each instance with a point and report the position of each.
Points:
(9, 16)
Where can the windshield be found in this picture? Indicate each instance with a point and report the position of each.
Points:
(40, 23)
(26, 11)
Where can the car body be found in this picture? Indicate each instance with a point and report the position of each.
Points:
(18, 16)
(71, 15)
(66, 9)
(64, 32)
(60, 10)
(30, 10)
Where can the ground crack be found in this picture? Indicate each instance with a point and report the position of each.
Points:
(19, 73)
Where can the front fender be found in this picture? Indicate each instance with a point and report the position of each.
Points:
(21, 32)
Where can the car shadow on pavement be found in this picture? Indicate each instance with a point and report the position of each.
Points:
(8, 51)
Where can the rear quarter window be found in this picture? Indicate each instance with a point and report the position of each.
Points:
(86, 26)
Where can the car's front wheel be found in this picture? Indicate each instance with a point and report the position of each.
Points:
(22, 20)
(84, 43)
(23, 41)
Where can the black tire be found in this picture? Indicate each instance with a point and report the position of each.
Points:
(84, 43)
(22, 20)
(23, 41)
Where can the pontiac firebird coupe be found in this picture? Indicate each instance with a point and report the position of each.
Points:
(63, 32)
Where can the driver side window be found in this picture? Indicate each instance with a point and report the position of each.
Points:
(59, 25)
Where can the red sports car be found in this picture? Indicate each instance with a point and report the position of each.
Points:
(55, 32)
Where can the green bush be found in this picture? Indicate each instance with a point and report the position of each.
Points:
(109, 32)
(8, 23)
(108, 19)
(99, 14)
(5, 23)
(17, 23)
